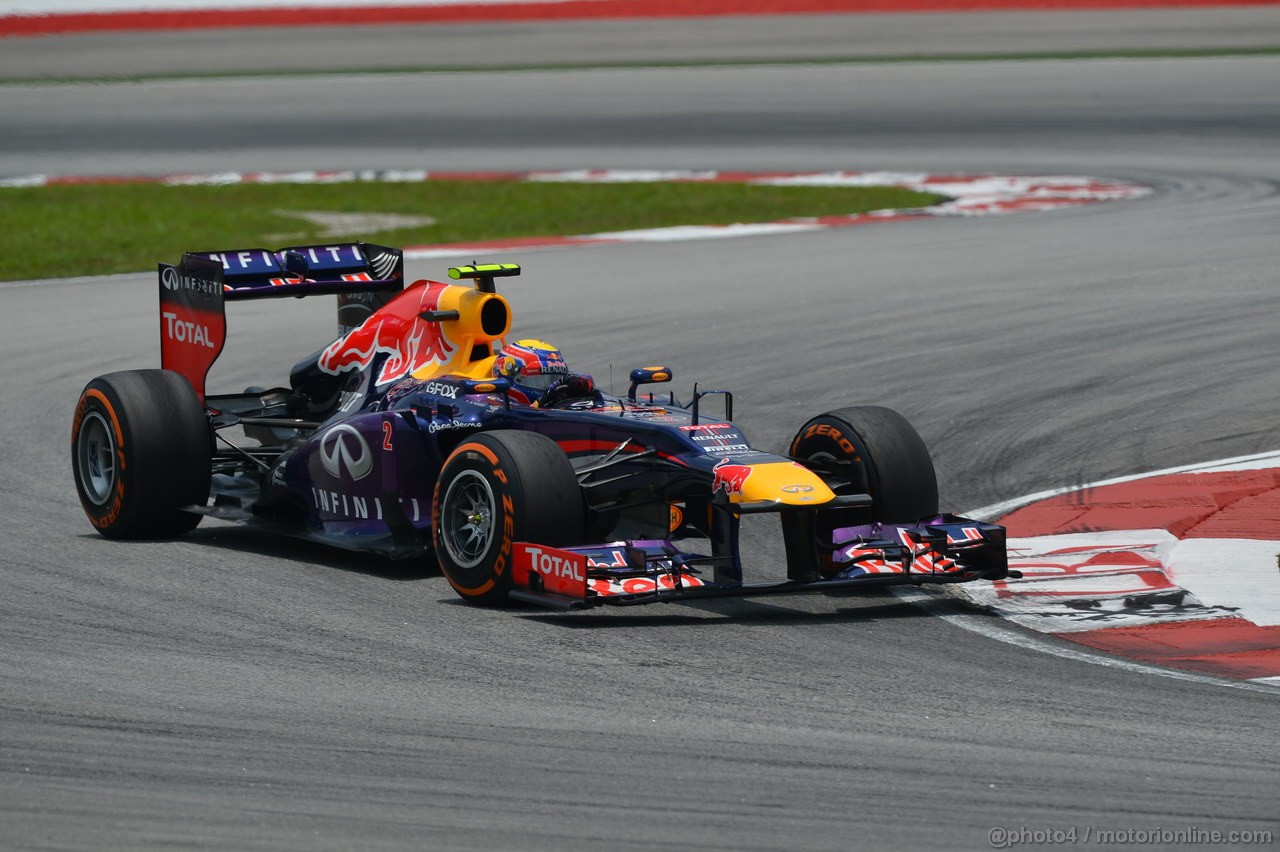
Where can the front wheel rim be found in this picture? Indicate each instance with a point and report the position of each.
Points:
(467, 518)
(96, 457)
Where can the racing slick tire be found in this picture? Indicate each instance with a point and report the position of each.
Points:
(141, 451)
(495, 489)
(889, 461)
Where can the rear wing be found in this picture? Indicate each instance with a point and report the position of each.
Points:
(193, 293)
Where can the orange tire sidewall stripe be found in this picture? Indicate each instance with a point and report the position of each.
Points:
(115, 421)
(113, 511)
(479, 448)
(493, 459)
(477, 591)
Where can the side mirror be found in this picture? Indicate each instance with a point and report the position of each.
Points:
(646, 376)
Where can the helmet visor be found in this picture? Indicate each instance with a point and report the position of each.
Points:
(540, 381)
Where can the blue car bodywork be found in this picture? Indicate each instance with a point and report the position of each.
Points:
(351, 453)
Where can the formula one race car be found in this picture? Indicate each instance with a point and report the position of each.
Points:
(422, 431)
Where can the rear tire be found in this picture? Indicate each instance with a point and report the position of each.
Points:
(497, 488)
(141, 451)
(889, 460)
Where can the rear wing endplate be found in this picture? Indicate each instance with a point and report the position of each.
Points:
(193, 294)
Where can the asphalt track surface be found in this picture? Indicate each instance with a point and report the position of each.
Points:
(767, 38)
(230, 691)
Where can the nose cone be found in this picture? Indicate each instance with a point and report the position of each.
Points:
(781, 482)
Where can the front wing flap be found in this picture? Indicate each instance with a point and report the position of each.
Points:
(945, 544)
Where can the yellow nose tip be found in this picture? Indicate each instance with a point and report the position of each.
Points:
(782, 482)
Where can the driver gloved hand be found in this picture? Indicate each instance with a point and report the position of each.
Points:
(572, 386)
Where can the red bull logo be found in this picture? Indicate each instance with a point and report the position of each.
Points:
(395, 330)
(729, 476)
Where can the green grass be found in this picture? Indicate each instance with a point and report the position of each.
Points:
(101, 229)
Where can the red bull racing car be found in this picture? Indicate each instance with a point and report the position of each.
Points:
(423, 432)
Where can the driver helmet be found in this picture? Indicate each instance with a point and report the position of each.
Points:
(531, 366)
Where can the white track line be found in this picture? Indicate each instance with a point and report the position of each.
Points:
(1257, 461)
(1001, 632)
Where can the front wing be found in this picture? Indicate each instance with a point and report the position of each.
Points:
(941, 549)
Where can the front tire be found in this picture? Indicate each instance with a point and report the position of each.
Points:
(883, 456)
(141, 452)
(497, 488)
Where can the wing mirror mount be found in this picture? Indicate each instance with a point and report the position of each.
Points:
(295, 263)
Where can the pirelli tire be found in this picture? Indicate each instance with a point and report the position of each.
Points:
(142, 450)
(885, 457)
(497, 488)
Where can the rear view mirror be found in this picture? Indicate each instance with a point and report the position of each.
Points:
(645, 376)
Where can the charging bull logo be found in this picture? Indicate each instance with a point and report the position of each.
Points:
(729, 476)
(398, 331)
